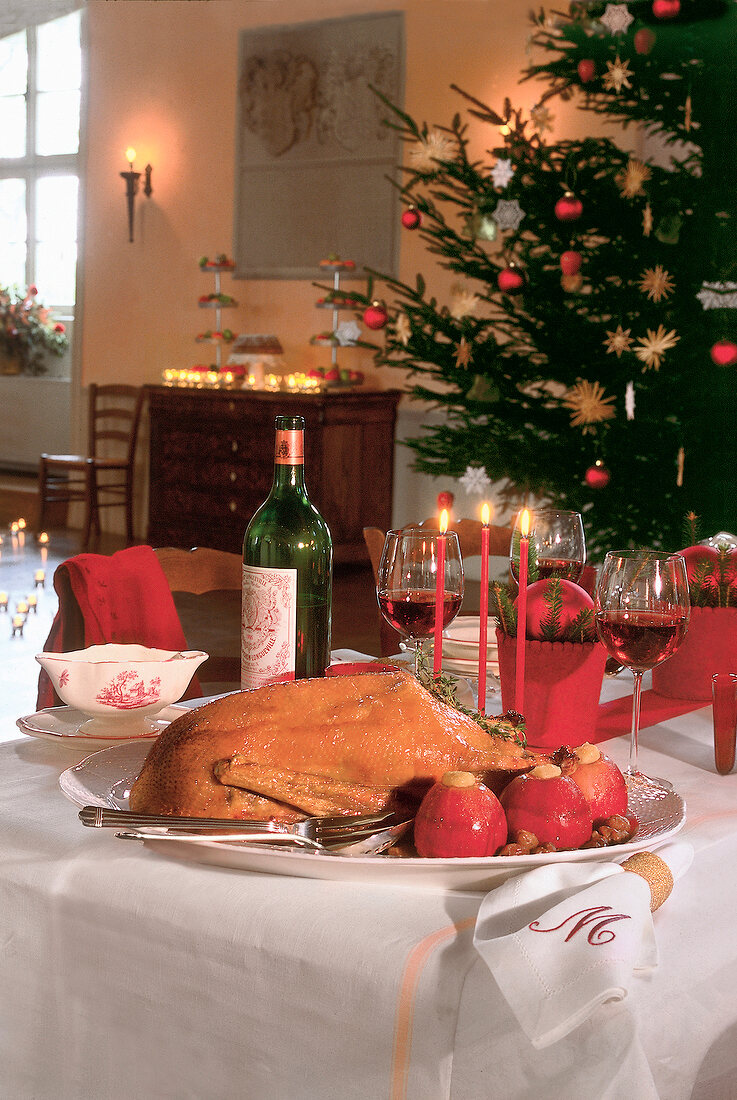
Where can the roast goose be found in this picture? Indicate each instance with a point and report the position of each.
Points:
(338, 745)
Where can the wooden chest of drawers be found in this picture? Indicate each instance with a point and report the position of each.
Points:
(211, 463)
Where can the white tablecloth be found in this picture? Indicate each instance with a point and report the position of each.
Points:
(124, 973)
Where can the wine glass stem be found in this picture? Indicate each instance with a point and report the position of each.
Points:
(636, 696)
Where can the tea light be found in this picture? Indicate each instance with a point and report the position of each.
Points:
(32, 602)
(39, 579)
(21, 524)
(43, 541)
(14, 527)
(3, 601)
(21, 608)
(18, 621)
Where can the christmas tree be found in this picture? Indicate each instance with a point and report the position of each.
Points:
(586, 354)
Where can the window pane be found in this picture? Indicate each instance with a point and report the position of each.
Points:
(12, 232)
(13, 64)
(56, 234)
(57, 123)
(59, 54)
(13, 129)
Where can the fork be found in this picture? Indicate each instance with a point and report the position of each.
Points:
(317, 832)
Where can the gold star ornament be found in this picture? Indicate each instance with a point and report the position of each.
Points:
(436, 147)
(463, 353)
(617, 75)
(656, 283)
(651, 348)
(588, 405)
(618, 341)
(542, 119)
(631, 179)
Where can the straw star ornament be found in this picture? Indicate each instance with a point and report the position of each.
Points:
(463, 353)
(652, 347)
(631, 179)
(435, 147)
(618, 341)
(617, 75)
(588, 404)
(403, 329)
(656, 283)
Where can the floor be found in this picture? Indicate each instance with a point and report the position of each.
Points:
(355, 616)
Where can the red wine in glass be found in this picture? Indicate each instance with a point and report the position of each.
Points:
(413, 613)
(567, 570)
(641, 639)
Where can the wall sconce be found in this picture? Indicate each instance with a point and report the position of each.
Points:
(131, 186)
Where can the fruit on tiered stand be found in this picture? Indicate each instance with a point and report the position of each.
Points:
(564, 662)
(710, 645)
(218, 335)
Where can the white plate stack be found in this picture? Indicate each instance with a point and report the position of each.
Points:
(461, 647)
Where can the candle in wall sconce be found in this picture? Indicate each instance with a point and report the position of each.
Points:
(39, 579)
(440, 595)
(524, 550)
(483, 605)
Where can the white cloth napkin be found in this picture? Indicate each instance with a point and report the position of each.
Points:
(562, 939)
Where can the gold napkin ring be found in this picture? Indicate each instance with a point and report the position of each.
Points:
(656, 873)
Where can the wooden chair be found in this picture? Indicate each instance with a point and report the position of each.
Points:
(469, 537)
(215, 572)
(114, 417)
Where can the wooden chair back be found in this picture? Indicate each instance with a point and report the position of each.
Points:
(114, 418)
(199, 571)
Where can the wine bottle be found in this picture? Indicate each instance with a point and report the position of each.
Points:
(287, 574)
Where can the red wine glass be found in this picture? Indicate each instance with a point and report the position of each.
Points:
(407, 579)
(642, 611)
(557, 545)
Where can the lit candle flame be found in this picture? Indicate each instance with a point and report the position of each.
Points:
(485, 515)
(524, 524)
(443, 521)
(130, 155)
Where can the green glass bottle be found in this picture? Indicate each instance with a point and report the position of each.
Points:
(287, 574)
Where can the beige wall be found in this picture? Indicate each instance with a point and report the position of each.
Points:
(162, 78)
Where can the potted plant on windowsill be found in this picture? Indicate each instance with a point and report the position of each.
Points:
(27, 332)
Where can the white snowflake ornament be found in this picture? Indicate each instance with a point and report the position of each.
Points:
(347, 333)
(617, 18)
(502, 173)
(475, 480)
(508, 214)
(721, 295)
(629, 400)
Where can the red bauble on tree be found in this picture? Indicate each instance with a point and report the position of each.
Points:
(724, 353)
(510, 279)
(445, 500)
(597, 476)
(586, 70)
(666, 9)
(568, 208)
(411, 218)
(375, 315)
(644, 40)
(570, 262)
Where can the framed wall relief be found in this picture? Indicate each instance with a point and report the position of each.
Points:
(312, 153)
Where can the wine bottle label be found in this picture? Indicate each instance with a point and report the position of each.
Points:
(290, 448)
(268, 626)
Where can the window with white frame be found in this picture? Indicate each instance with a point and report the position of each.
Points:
(40, 89)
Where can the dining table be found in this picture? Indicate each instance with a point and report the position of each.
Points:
(129, 971)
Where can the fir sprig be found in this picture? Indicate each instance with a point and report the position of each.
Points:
(445, 688)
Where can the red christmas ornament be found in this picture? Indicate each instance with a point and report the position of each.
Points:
(445, 500)
(724, 353)
(510, 279)
(644, 40)
(574, 599)
(375, 315)
(570, 262)
(568, 208)
(597, 476)
(586, 70)
(666, 9)
(411, 218)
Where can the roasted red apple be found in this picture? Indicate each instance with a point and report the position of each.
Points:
(600, 781)
(550, 805)
(459, 816)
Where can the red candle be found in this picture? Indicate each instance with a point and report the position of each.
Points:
(483, 605)
(440, 595)
(524, 546)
